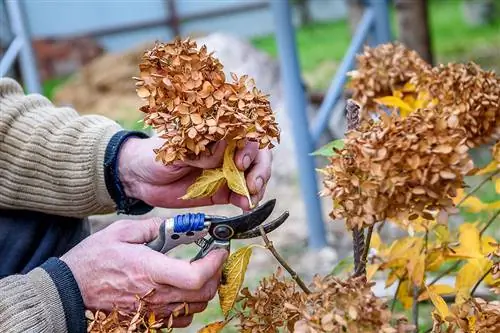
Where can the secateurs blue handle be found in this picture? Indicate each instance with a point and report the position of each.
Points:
(192, 228)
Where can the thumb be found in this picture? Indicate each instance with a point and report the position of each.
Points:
(137, 231)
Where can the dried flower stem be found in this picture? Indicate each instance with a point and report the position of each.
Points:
(478, 186)
(490, 222)
(282, 261)
(480, 280)
(366, 249)
(358, 243)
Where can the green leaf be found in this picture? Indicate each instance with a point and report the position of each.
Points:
(327, 150)
(342, 266)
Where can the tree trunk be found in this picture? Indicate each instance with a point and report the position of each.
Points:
(355, 10)
(304, 12)
(413, 25)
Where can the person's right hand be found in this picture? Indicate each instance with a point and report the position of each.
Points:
(113, 266)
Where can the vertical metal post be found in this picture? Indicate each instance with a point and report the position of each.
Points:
(26, 54)
(382, 22)
(296, 107)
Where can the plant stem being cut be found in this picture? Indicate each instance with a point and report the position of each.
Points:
(282, 261)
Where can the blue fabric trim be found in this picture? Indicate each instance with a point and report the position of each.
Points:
(69, 292)
(125, 205)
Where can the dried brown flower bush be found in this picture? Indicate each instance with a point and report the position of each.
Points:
(468, 92)
(398, 168)
(407, 167)
(264, 310)
(475, 315)
(381, 70)
(190, 104)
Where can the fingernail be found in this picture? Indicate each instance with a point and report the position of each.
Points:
(246, 161)
(259, 182)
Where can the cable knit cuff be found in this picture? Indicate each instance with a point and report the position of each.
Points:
(124, 204)
(74, 309)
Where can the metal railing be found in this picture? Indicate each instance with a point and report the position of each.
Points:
(20, 47)
(375, 25)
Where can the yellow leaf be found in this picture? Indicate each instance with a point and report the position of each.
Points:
(434, 260)
(393, 101)
(409, 87)
(440, 289)
(439, 304)
(151, 319)
(474, 205)
(404, 294)
(416, 269)
(468, 276)
(442, 232)
(470, 244)
(375, 242)
(234, 272)
(497, 184)
(491, 167)
(371, 270)
(235, 178)
(215, 327)
(206, 185)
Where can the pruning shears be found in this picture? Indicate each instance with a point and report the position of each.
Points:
(194, 227)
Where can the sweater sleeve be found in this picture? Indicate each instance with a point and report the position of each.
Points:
(46, 300)
(51, 158)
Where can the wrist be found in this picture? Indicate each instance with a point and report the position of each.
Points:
(120, 173)
(128, 177)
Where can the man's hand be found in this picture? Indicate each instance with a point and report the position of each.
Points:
(162, 186)
(113, 266)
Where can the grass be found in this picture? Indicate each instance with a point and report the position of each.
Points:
(452, 40)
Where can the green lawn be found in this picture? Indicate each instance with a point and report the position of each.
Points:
(452, 40)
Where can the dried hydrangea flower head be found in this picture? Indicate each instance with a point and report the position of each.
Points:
(469, 93)
(344, 306)
(264, 310)
(398, 168)
(190, 104)
(381, 70)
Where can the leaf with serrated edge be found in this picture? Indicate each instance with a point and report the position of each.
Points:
(234, 271)
(215, 327)
(235, 178)
(207, 183)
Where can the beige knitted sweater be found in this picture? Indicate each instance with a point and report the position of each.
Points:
(51, 160)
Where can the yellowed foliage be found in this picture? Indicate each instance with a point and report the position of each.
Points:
(416, 268)
(206, 185)
(235, 178)
(393, 101)
(439, 303)
(440, 289)
(215, 327)
(371, 270)
(405, 293)
(211, 180)
(234, 271)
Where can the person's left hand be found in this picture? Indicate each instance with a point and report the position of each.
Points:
(145, 179)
